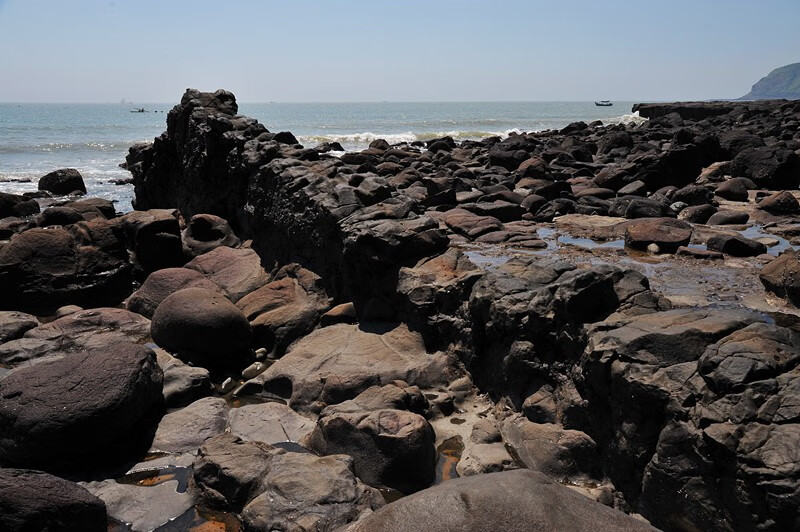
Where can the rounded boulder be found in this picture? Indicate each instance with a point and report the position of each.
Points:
(202, 326)
(86, 406)
(62, 182)
(162, 283)
(33, 500)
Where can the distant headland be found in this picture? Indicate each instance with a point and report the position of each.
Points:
(783, 82)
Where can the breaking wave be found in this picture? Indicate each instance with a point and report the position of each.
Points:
(351, 141)
(630, 118)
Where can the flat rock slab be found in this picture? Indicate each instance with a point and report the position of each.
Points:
(512, 501)
(667, 233)
(144, 508)
(269, 423)
(33, 500)
(671, 337)
(337, 363)
(94, 328)
(182, 383)
(188, 428)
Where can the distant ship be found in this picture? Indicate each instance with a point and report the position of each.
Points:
(140, 110)
(603, 103)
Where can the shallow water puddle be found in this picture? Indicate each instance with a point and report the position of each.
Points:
(484, 260)
(755, 232)
(154, 477)
(201, 520)
(449, 454)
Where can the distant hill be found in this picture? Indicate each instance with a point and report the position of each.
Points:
(783, 82)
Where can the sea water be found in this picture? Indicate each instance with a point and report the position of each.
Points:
(94, 138)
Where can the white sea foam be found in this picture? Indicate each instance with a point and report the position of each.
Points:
(630, 118)
(357, 141)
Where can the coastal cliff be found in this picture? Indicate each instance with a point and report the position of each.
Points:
(783, 82)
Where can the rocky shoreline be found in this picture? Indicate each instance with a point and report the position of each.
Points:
(594, 327)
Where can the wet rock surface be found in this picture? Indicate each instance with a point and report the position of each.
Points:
(610, 308)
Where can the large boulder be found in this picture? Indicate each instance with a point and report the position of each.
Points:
(205, 232)
(202, 326)
(691, 410)
(43, 269)
(62, 182)
(154, 238)
(33, 500)
(80, 330)
(13, 205)
(163, 283)
(337, 363)
(390, 448)
(285, 309)
(306, 492)
(84, 407)
(13, 324)
(782, 276)
(770, 167)
(278, 490)
(736, 245)
(779, 203)
(561, 454)
(237, 271)
(513, 501)
(667, 233)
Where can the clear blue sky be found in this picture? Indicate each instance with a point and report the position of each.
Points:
(294, 50)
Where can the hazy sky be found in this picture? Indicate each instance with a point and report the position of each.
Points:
(290, 50)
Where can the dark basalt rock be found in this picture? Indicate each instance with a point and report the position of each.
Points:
(728, 218)
(154, 238)
(514, 501)
(86, 264)
(770, 167)
(735, 189)
(62, 182)
(390, 448)
(12, 205)
(33, 500)
(736, 245)
(58, 216)
(699, 392)
(278, 490)
(780, 203)
(668, 234)
(782, 276)
(205, 232)
(163, 283)
(202, 326)
(372, 228)
(85, 407)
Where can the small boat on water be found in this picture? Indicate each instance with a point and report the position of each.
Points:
(140, 110)
(603, 103)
